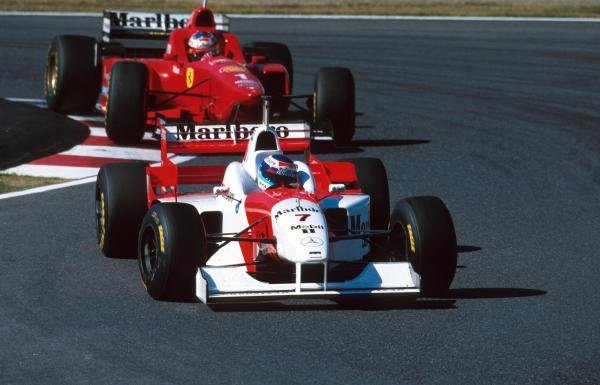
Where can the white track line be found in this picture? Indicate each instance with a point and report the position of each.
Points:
(101, 132)
(27, 100)
(87, 118)
(68, 14)
(88, 175)
(97, 131)
(150, 155)
(418, 18)
(48, 171)
(345, 17)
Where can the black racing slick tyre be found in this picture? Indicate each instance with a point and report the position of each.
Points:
(72, 79)
(334, 102)
(422, 231)
(171, 247)
(126, 106)
(275, 52)
(120, 207)
(372, 180)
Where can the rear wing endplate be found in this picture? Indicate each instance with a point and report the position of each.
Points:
(146, 25)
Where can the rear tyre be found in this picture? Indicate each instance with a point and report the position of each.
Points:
(120, 207)
(126, 107)
(72, 78)
(423, 232)
(171, 247)
(334, 104)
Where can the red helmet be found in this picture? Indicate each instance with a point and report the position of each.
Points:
(200, 43)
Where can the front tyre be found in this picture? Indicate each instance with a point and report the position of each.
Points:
(423, 232)
(171, 247)
(72, 78)
(126, 107)
(334, 102)
(121, 202)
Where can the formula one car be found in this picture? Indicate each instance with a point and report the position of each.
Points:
(270, 227)
(202, 76)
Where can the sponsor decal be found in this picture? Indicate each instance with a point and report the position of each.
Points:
(307, 229)
(102, 221)
(161, 238)
(176, 70)
(154, 216)
(142, 20)
(411, 238)
(219, 61)
(303, 217)
(184, 131)
(315, 254)
(297, 209)
(311, 242)
(242, 83)
(189, 77)
(232, 68)
(161, 235)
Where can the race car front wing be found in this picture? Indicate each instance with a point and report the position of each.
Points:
(216, 284)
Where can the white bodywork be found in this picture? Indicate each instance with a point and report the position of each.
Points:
(234, 284)
(302, 236)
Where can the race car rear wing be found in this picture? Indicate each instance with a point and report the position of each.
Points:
(190, 138)
(229, 138)
(148, 26)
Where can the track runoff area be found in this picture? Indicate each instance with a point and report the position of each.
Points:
(82, 162)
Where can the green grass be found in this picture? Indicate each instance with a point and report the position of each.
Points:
(542, 8)
(11, 182)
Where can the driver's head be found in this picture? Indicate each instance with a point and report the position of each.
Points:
(200, 43)
(276, 170)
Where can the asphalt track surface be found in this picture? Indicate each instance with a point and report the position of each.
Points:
(500, 119)
(26, 136)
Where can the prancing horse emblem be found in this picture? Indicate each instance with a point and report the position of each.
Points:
(189, 77)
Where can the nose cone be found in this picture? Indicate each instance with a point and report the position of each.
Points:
(249, 94)
(301, 231)
(245, 84)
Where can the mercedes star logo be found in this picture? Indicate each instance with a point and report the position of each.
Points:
(311, 241)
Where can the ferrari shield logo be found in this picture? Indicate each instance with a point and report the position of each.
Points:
(189, 77)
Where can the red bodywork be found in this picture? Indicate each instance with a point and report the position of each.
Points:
(164, 182)
(165, 179)
(208, 89)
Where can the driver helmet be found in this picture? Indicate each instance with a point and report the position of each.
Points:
(276, 169)
(200, 43)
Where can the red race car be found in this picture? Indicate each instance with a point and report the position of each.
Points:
(270, 227)
(202, 76)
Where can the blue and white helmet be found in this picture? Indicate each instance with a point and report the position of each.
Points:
(276, 169)
(200, 43)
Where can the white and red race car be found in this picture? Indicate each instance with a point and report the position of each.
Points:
(328, 233)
